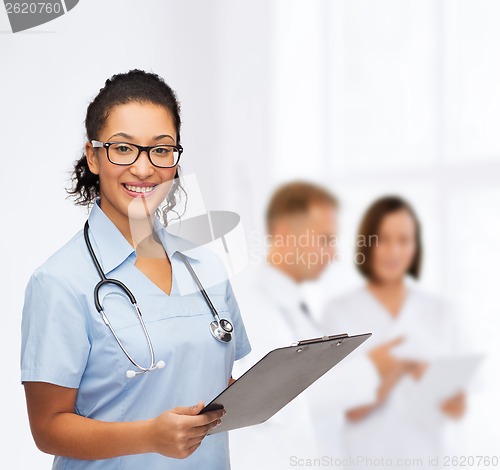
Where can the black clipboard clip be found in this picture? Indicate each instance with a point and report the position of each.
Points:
(322, 338)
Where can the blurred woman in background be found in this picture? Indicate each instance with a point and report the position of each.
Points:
(409, 329)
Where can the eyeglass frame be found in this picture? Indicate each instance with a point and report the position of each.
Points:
(106, 145)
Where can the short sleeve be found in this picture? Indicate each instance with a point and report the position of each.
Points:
(242, 343)
(55, 339)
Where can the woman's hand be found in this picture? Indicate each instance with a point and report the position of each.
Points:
(359, 413)
(391, 369)
(392, 376)
(57, 430)
(454, 407)
(178, 432)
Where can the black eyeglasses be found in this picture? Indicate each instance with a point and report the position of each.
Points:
(125, 153)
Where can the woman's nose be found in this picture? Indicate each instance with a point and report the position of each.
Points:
(142, 168)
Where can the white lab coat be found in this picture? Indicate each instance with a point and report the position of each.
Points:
(391, 431)
(308, 427)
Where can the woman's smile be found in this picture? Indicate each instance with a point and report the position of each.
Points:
(139, 189)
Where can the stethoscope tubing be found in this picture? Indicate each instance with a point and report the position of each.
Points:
(225, 325)
(200, 286)
(104, 280)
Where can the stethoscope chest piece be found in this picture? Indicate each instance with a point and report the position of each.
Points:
(221, 330)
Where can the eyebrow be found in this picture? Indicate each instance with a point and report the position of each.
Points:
(127, 136)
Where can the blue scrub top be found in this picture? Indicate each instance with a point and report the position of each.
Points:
(65, 341)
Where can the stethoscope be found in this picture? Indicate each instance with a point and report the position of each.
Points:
(221, 329)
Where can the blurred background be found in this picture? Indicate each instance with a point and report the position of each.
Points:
(365, 97)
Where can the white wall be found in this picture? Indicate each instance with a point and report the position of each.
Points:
(387, 95)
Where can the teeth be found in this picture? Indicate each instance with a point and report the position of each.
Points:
(137, 189)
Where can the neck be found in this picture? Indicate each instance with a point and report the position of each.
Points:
(387, 286)
(135, 230)
(138, 231)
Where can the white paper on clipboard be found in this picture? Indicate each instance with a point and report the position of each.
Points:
(444, 378)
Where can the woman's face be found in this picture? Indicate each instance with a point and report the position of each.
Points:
(395, 249)
(121, 187)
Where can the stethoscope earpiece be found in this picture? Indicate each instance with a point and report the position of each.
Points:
(134, 373)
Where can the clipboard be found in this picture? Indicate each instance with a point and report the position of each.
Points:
(278, 378)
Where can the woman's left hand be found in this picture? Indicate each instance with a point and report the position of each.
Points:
(454, 407)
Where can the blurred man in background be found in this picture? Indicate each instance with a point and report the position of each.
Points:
(301, 222)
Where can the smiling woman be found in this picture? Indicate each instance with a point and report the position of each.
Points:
(85, 404)
(133, 92)
(124, 170)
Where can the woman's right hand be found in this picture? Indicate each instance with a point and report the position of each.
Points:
(392, 369)
(58, 430)
(178, 432)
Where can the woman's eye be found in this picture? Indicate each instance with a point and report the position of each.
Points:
(123, 148)
(162, 150)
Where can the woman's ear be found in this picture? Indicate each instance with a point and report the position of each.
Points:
(92, 160)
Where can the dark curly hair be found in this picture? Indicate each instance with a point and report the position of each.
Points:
(133, 86)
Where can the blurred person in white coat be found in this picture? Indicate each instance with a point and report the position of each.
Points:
(399, 314)
(302, 224)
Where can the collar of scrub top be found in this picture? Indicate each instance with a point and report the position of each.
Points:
(112, 248)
